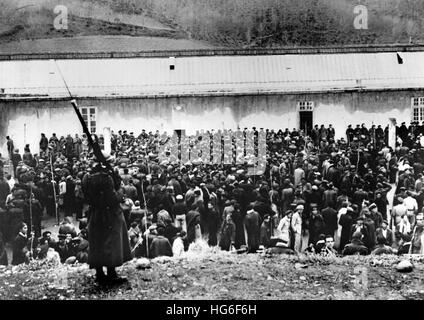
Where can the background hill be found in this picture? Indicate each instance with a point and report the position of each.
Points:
(195, 24)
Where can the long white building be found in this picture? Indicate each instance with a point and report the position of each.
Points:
(206, 89)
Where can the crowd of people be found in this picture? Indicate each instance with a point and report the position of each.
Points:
(318, 195)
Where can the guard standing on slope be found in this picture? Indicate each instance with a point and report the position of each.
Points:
(107, 231)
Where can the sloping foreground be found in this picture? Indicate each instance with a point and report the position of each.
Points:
(219, 275)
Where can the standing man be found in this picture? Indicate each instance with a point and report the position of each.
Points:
(44, 143)
(69, 197)
(296, 225)
(107, 231)
(10, 147)
(417, 242)
(252, 229)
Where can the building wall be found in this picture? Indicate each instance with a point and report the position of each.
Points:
(25, 120)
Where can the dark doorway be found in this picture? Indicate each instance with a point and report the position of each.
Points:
(306, 121)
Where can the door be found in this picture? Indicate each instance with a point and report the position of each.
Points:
(306, 121)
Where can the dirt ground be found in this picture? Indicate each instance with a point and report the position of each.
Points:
(223, 275)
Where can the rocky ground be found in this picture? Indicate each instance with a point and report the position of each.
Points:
(212, 274)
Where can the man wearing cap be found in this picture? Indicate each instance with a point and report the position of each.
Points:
(136, 213)
(107, 230)
(376, 216)
(160, 245)
(385, 232)
(361, 227)
(356, 247)
(382, 247)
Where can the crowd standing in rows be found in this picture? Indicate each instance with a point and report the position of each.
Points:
(318, 194)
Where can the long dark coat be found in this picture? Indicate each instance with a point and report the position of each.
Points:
(252, 225)
(346, 221)
(107, 230)
(228, 235)
(3, 253)
(20, 248)
(316, 228)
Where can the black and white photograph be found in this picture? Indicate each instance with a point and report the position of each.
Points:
(218, 150)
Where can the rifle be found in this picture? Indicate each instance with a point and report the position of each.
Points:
(96, 148)
(94, 145)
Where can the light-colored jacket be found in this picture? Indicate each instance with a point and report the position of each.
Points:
(177, 247)
(283, 232)
(297, 223)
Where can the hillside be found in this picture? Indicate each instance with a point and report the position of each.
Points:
(206, 23)
(268, 23)
(27, 26)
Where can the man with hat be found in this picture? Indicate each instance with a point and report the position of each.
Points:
(356, 247)
(382, 247)
(385, 232)
(376, 216)
(160, 245)
(136, 213)
(361, 227)
(107, 230)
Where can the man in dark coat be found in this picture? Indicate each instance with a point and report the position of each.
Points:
(356, 247)
(346, 222)
(160, 245)
(44, 143)
(252, 225)
(21, 246)
(107, 231)
(265, 232)
(4, 191)
(330, 220)
(193, 219)
(3, 253)
(316, 225)
(69, 197)
(214, 223)
(228, 234)
(330, 196)
(33, 213)
(16, 158)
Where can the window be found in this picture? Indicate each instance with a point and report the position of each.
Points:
(89, 116)
(418, 109)
(305, 106)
